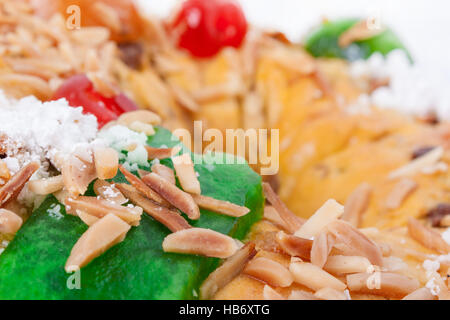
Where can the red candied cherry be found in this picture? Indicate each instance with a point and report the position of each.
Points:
(79, 91)
(204, 27)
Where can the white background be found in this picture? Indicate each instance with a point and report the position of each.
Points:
(423, 25)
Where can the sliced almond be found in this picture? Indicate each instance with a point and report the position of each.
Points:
(87, 218)
(270, 294)
(329, 212)
(269, 271)
(100, 208)
(173, 195)
(314, 277)
(106, 162)
(320, 250)
(164, 172)
(382, 283)
(292, 221)
(10, 222)
(428, 237)
(142, 127)
(355, 241)
(220, 206)
(77, 175)
(340, 265)
(184, 169)
(420, 294)
(356, 204)
(400, 193)
(358, 32)
(101, 236)
(161, 153)
(144, 116)
(47, 185)
(183, 98)
(301, 295)
(294, 246)
(330, 294)
(109, 192)
(418, 164)
(5, 174)
(272, 215)
(227, 271)
(170, 218)
(142, 187)
(200, 241)
(12, 188)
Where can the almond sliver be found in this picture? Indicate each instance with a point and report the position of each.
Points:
(10, 222)
(227, 271)
(106, 162)
(420, 294)
(102, 235)
(340, 265)
(100, 208)
(77, 175)
(87, 218)
(109, 192)
(12, 188)
(220, 206)
(314, 277)
(184, 169)
(161, 153)
(173, 195)
(330, 211)
(330, 294)
(164, 172)
(417, 165)
(270, 294)
(292, 221)
(320, 250)
(47, 185)
(200, 241)
(269, 271)
(171, 219)
(428, 237)
(357, 202)
(144, 116)
(400, 193)
(382, 283)
(294, 246)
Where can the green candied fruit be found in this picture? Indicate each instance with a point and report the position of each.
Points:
(323, 42)
(32, 266)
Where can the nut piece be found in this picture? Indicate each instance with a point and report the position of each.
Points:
(420, 294)
(142, 127)
(161, 153)
(294, 246)
(100, 208)
(269, 271)
(220, 206)
(400, 193)
(231, 267)
(270, 214)
(171, 193)
(200, 241)
(106, 162)
(355, 241)
(109, 192)
(301, 295)
(143, 187)
(144, 116)
(292, 221)
(47, 185)
(171, 219)
(77, 175)
(327, 213)
(101, 236)
(4, 171)
(382, 283)
(321, 248)
(164, 172)
(356, 204)
(270, 294)
(429, 238)
(358, 32)
(12, 188)
(10, 222)
(418, 164)
(314, 277)
(330, 294)
(186, 174)
(340, 265)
